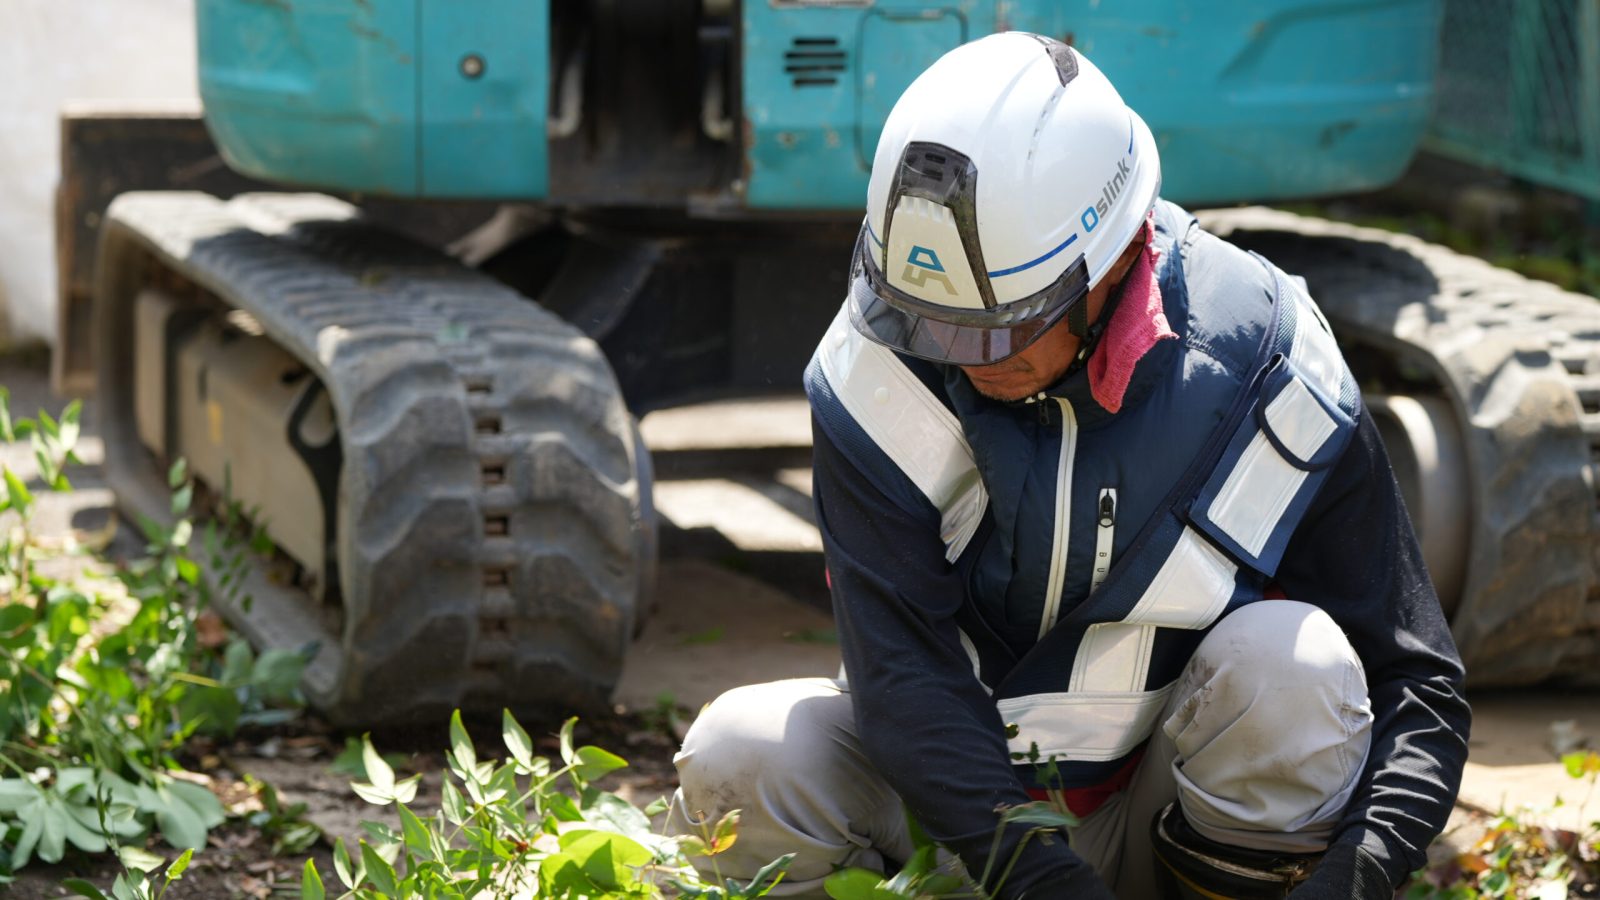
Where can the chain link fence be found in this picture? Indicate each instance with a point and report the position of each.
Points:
(1519, 90)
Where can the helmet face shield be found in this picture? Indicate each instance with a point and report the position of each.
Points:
(958, 336)
(1069, 173)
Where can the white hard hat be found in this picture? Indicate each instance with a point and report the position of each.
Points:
(1009, 178)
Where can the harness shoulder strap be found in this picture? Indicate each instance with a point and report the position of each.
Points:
(907, 422)
(1302, 417)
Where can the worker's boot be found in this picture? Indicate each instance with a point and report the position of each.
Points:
(1192, 867)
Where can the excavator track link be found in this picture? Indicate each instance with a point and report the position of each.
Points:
(1519, 361)
(493, 525)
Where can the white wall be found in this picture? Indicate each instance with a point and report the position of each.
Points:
(53, 51)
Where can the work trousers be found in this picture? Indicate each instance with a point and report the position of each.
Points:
(1262, 743)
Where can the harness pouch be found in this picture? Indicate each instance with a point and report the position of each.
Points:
(1274, 465)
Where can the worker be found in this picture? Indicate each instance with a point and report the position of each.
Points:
(1104, 519)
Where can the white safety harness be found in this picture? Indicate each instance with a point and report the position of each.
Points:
(1291, 423)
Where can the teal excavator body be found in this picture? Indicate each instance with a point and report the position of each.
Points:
(777, 105)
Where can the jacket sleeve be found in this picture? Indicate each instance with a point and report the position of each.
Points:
(924, 720)
(1357, 557)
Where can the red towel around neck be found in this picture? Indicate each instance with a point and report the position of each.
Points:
(1137, 325)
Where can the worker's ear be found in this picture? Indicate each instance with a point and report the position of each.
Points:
(1129, 254)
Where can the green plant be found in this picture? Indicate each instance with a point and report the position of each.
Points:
(1522, 857)
(102, 679)
(284, 825)
(926, 875)
(510, 830)
(134, 882)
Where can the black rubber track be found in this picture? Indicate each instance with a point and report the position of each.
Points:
(492, 525)
(1519, 360)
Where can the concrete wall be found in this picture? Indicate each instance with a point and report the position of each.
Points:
(53, 51)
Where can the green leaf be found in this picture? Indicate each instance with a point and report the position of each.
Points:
(311, 882)
(238, 661)
(405, 790)
(14, 621)
(181, 533)
(656, 807)
(140, 859)
(348, 876)
(564, 808)
(69, 424)
(82, 827)
(622, 816)
(379, 870)
(53, 841)
(17, 492)
(461, 744)
(178, 474)
(181, 498)
(185, 812)
(940, 885)
(415, 832)
(1582, 763)
(378, 771)
(82, 888)
(48, 425)
(593, 862)
(566, 739)
(123, 889)
(204, 803)
(593, 762)
(919, 835)
(455, 808)
(41, 457)
(16, 793)
(516, 740)
(175, 871)
(768, 876)
(32, 817)
(921, 863)
(725, 832)
(852, 884)
(371, 794)
(6, 432)
(277, 674)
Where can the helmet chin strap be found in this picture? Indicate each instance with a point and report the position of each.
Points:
(1089, 333)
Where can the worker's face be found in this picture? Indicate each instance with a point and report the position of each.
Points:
(1029, 372)
(1046, 359)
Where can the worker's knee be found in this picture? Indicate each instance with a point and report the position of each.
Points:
(1271, 723)
(767, 743)
(1271, 655)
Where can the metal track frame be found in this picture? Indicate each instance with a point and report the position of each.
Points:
(494, 534)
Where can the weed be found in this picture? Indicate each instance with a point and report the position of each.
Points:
(509, 830)
(103, 680)
(1520, 857)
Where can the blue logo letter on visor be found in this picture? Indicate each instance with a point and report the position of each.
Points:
(923, 266)
(917, 255)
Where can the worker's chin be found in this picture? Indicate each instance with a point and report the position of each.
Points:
(1006, 387)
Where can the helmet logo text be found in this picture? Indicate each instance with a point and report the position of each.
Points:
(1109, 193)
(923, 266)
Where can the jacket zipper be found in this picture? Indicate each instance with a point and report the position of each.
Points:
(1105, 531)
(1063, 531)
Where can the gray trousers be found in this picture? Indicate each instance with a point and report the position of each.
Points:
(1262, 743)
